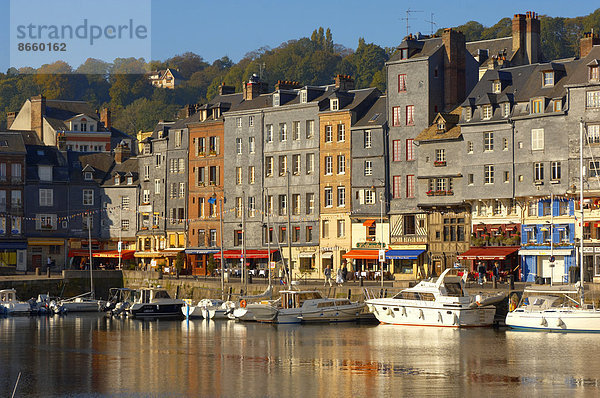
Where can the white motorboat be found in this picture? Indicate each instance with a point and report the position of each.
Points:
(243, 311)
(220, 312)
(119, 301)
(306, 306)
(155, 303)
(441, 302)
(10, 305)
(206, 305)
(554, 308)
(79, 304)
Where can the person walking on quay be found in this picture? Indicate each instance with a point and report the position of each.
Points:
(339, 279)
(496, 271)
(481, 271)
(327, 274)
(345, 271)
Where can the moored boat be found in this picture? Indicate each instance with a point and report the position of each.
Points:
(155, 303)
(441, 302)
(10, 305)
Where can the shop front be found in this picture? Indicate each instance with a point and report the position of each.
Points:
(365, 263)
(256, 260)
(41, 251)
(407, 264)
(505, 256)
(13, 255)
(591, 261)
(200, 260)
(109, 259)
(547, 265)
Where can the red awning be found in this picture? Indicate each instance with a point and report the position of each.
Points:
(249, 254)
(362, 254)
(488, 253)
(125, 254)
(369, 223)
(479, 227)
(81, 253)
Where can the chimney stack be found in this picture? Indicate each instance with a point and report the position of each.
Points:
(286, 85)
(10, 118)
(454, 67)
(224, 90)
(589, 40)
(526, 39)
(518, 32)
(38, 111)
(106, 119)
(122, 152)
(253, 88)
(344, 82)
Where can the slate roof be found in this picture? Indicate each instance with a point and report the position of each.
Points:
(128, 167)
(101, 163)
(428, 46)
(581, 73)
(501, 45)
(41, 155)
(375, 116)
(59, 111)
(12, 143)
(452, 131)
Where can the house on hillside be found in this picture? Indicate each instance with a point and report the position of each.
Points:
(168, 78)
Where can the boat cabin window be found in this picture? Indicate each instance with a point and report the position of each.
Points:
(342, 302)
(161, 294)
(325, 304)
(415, 296)
(453, 289)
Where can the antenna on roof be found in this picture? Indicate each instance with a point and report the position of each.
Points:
(432, 24)
(408, 18)
(261, 69)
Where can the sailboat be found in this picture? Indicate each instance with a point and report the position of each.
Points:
(558, 308)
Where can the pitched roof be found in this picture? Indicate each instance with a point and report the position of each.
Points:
(128, 167)
(59, 111)
(12, 143)
(452, 130)
(100, 162)
(501, 45)
(375, 116)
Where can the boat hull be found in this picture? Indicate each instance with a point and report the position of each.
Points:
(218, 313)
(555, 321)
(346, 313)
(433, 316)
(15, 308)
(194, 311)
(262, 312)
(81, 306)
(152, 310)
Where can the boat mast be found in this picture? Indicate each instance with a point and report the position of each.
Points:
(289, 228)
(90, 253)
(222, 259)
(581, 208)
(268, 235)
(244, 271)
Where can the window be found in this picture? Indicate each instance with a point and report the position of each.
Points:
(537, 106)
(251, 121)
(594, 170)
(468, 113)
(282, 132)
(310, 128)
(548, 79)
(269, 204)
(341, 163)
(410, 225)
(404, 53)
(335, 104)
(325, 228)
(173, 191)
(269, 133)
(505, 144)
(310, 163)
(251, 206)
(469, 147)
(555, 171)
(157, 186)
(296, 204)
(396, 150)
(488, 174)
(296, 164)
(341, 132)
(237, 237)
(238, 122)
(341, 196)
(213, 175)
(410, 186)
(396, 116)
(368, 167)
(328, 165)
(276, 99)
(496, 86)
(251, 145)
(212, 238)
(303, 97)
(470, 179)
(238, 175)
(396, 187)
(594, 72)
(295, 131)
(201, 146)
(368, 139)
(269, 166)
(178, 138)
(488, 141)
(538, 171)
(401, 83)
(283, 165)
(251, 175)
(440, 155)
(410, 149)
(410, 115)
(310, 203)
(295, 234)
(238, 207)
(593, 134)
(328, 134)
(88, 197)
(201, 207)
(440, 184)
(341, 228)
(158, 160)
(486, 112)
(506, 109)
(46, 197)
(537, 139)
(309, 233)
(44, 172)
(146, 196)
(328, 197)
(369, 196)
(125, 202)
(125, 225)
(282, 205)
(557, 105)
(506, 176)
(238, 146)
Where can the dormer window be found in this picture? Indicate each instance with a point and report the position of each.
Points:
(537, 106)
(404, 53)
(486, 112)
(276, 99)
(130, 180)
(75, 127)
(594, 72)
(468, 113)
(303, 97)
(117, 179)
(506, 109)
(88, 176)
(548, 79)
(441, 126)
(146, 149)
(83, 126)
(334, 104)
(557, 105)
(496, 87)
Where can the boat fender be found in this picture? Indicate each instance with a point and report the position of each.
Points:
(560, 323)
(375, 310)
(421, 316)
(440, 318)
(243, 303)
(370, 307)
(404, 311)
(455, 319)
(389, 311)
(544, 322)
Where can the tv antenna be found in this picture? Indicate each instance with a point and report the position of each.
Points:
(262, 67)
(432, 24)
(408, 18)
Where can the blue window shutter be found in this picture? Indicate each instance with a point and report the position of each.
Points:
(555, 204)
(540, 208)
(539, 236)
(571, 207)
(555, 235)
(523, 237)
(571, 231)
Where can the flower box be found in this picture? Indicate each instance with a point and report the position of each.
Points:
(439, 163)
(200, 153)
(212, 153)
(429, 193)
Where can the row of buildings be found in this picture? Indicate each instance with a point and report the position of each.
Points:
(471, 155)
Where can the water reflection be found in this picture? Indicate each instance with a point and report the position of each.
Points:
(87, 354)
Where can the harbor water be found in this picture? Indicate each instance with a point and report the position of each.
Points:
(92, 355)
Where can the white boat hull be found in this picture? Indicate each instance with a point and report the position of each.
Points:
(82, 306)
(262, 312)
(16, 308)
(192, 311)
(565, 320)
(218, 313)
(432, 316)
(345, 313)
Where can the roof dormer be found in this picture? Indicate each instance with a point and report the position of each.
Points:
(548, 78)
(88, 173)
(334, 104)
(594, 70)
(117, 179)
(496, 86)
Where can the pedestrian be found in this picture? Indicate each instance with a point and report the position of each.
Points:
(345, 271)
(496, 271)
(327, 274)
(339, 279)
(49, 261)
(481, 271)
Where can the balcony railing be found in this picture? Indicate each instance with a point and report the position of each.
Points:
(440, 193)
(409, 239)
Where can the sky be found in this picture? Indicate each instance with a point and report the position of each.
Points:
(213, 29)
